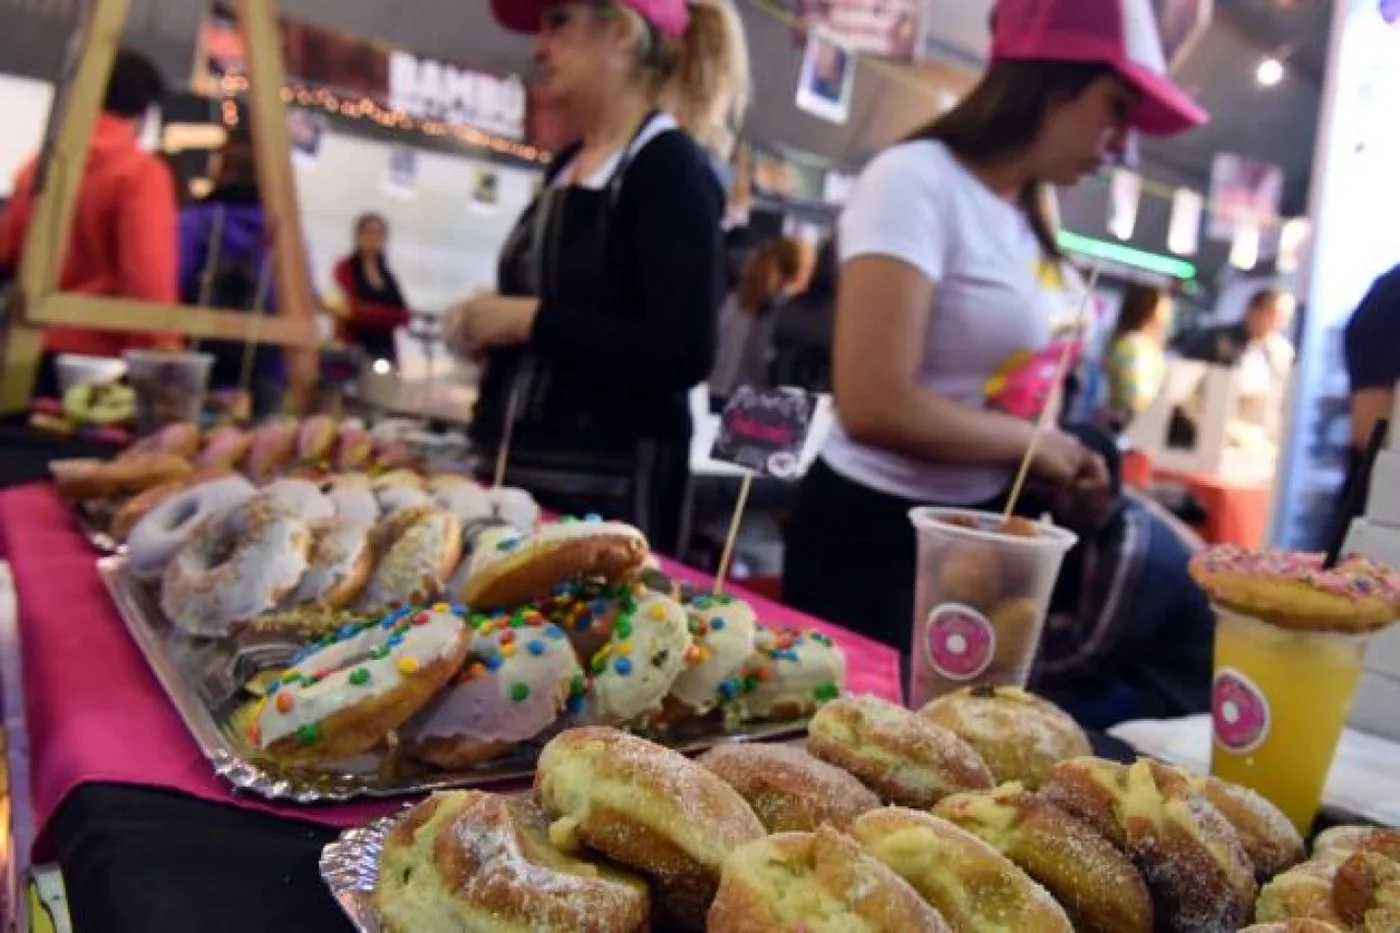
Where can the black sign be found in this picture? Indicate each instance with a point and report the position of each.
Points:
(764, 430)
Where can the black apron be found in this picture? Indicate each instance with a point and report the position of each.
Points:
(572, 444)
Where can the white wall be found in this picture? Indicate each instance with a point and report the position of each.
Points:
(24, 110)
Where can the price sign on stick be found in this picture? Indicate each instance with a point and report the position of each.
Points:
(764, 431)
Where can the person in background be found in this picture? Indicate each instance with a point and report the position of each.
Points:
(375, 306)
(608, 288)
(950, 281)
(803, 330)
(1256, 347)
(122, 241)
(1371, 344)
(1135, 359)
(231, 274)
(746, 322)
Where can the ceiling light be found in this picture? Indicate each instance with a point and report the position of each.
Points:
(1269, 73)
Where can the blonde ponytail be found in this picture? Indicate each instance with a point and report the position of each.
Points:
(707, 85)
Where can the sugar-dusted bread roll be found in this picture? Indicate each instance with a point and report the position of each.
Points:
(789, 790)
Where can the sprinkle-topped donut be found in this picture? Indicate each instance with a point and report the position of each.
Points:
(515, 571)
(520, 675)
(638, 666)
(723, 629)
(1294, 590)
(790, 674)
(358, 685)
(588, 610)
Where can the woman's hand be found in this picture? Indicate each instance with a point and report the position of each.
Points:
(488, 320)
(1061, 459)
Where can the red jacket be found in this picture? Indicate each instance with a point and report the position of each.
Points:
(364, 317)
(123, 241)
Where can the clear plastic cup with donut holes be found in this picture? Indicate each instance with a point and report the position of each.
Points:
(170, 386)
(982, 589)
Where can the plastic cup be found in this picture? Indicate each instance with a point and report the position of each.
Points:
(1279, 701)
(980, 600)
(75, 369)
(170, 386)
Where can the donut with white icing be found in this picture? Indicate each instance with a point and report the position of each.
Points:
(393, 498)
(636, 669)
(300, 497)
(343, 699)
(416, 550)
(515, 507)
(514, 571)
(790, 674)
(167, 526)
(352, 498)
(723, 629)
(236, 565)
(520, 676)
(341, 561)
(587, 610)
(464, 499)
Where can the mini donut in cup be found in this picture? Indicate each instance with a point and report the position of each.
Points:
(639, 665)
(902, 757)
(528, 568)
(789, 676)
(520, 676)
(342, 699)
(818, 881)
(647, 808)
(416, 550)
(1019, 735)
(971, 574)
(466, 860)
(789, 790)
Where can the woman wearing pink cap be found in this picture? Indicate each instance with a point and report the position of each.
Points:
(609, 286)
(951, 287)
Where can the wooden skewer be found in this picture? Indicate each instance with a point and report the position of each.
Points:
(503, 451)
(245, 377)
(211, 264)
(728, 554)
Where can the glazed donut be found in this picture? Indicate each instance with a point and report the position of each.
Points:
(236, 564)
(301, 497)
(354, 447)
(340, 564)
(416, 550)
(127, 475)
(646, 807)
(272, 446)
(464, 499)
(819, 881)
(525, 569)
(790, 675)
(520, 675)
(972, 885)
(180, 439)
(225, 446)
(789, 790)
(1295, 591)
(723, 630)
(1269, 838)
(1097, 886)
(970, 574)
(465, 860)
(637, 668)
(352, 499)
(902, 757)
(344, 698)
(516, 508)
(134, 509)
(1018, 735)
(316, 439)
(1199, 874)
(166, 527)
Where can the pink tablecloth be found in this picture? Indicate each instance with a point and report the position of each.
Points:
(95, 713)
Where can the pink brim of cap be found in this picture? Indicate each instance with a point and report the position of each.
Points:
(522, 16)
(1165, 109)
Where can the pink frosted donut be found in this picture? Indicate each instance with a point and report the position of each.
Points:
(157, 536)
(1294, 590)
(224, 447)
(354, 446)
(301, 497)
(316, 438)
(273, 445)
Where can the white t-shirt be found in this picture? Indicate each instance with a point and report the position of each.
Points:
(999, 307)
(600, 176)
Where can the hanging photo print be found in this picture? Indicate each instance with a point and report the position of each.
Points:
(888, 28)
(307, 131)
(401, 172)
(827, 82)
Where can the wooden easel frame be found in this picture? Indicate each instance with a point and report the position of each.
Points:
(78, 94)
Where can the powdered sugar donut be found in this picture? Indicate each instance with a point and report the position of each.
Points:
(343, 699)
(417, 549)
(465, 499)
(723, 629)
(515, 507)
(521, 570)
(156, 538)
(639, 665)
(300, 497)
(236, 565)
(341, 560)
(1018, 734)
(520, 675)
(790, 675)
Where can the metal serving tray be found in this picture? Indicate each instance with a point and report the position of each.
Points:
(350, 868)
(205, 680)
(94, 529)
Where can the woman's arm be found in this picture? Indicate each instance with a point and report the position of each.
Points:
(365, 316)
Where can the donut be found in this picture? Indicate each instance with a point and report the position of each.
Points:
(639, 665)
(393, 498)
(789, 676)
(1199, 874)
(586, 610)
(352, 499)
(316, 438)
(272, 446)
(342, 699)
(1293, 926)
(788, 789)
(416, 550)
(1269, 838)
(1296, 591)
(300, 497)
(464, 499)
(340, 564)
(166, 527)
(465, 860)
(180, 439)
(902, 757)
(723, 631)
(971, 884)
(401, 477)
(970, 573)
(1366, 892)
(1348, 839)
(520, 675)
(528, 568)
(353, 446)
(1304, 892)
(95, 479)
(102, 404)
(1018, 735)
(647, 808)
(817, 881)
(134, 509)
(1095, 883)
(224, 446)
(236, 564)
(516, 508)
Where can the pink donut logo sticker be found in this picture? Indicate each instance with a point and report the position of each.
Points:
(959, 641)
(1239, 712)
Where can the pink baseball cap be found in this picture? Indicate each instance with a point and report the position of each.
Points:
(1119, 33)
(669, 16)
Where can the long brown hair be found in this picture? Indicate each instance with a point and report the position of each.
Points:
(1139, 307)
(1001, 117)
(770, 267)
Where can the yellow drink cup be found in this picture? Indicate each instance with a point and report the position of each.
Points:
(1278, 704)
